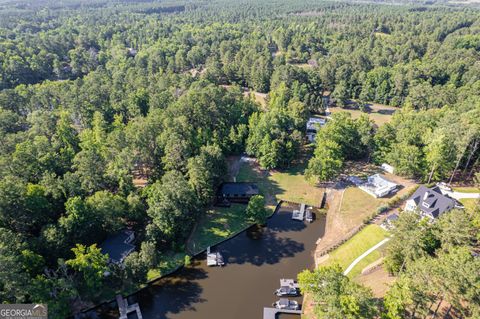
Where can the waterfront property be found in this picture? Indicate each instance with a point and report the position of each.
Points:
(118, 246)
(256, 259)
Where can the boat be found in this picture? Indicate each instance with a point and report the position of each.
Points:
(286, 291)
(286, 304)
(215, 258)
(297, 215)
(309, 215)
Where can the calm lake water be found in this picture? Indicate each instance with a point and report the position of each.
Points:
(255, 262)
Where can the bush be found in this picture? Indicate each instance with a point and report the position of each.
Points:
(188, 260)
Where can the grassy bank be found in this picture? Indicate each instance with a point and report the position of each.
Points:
(357, 245)
(288, 184)
(219, 223)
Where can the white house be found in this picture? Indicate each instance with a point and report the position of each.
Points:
(388, 168)
(378, 186)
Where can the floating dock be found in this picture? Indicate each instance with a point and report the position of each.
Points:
(126, 309)
(271, 313)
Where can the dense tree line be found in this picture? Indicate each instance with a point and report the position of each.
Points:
(93, 96)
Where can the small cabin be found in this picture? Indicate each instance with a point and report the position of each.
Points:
(237, 192)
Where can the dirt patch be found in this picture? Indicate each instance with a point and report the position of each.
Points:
(378, 280)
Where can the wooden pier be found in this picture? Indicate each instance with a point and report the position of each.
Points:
(125, 309)
(271, 313)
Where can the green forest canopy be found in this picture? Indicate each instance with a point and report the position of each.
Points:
(95, 94)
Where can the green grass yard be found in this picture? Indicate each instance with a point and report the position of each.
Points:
(288, 184)
(379, 113)
(469, 203)
(466, 189)
(357, 205)
(218, 224)
(357, 245)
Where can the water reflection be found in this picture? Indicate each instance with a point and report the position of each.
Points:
(256, 260)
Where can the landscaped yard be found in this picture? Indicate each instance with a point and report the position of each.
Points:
(218, 224)
(289, 184)
(357, 245)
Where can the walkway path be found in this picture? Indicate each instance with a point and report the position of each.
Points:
(356, 261)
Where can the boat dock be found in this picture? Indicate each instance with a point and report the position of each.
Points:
(271, 313)
(299, 214)
(124, 309)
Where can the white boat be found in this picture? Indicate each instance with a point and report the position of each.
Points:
(297, 215)
(286, 291)
(287, 304)
(214, 259)
(309, 215)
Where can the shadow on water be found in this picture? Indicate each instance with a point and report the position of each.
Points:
(181, 290)
(267, 247)
(256, 260)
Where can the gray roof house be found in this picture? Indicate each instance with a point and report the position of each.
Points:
(237, 192)
(430, 202)
(118, 246)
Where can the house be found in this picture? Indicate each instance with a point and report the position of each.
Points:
(430, 202)
(118, 246)
(313, 125)
(378, 186)
(237, 192)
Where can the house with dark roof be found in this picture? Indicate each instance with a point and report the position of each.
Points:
(430, 202)
(118, 246)
(237, 192)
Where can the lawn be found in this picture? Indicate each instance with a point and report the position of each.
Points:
(169, 261)
(469, 203)
(289, 184)
(357, 205)
(357, 245)
(379, 113)
(466, 189)
(218, 224)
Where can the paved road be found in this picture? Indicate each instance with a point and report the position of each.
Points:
(356, 261)
(459, 195)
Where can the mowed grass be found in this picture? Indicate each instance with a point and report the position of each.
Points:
(380, 114)
(357, 204)
(218, 224)
(467, 189)
(469, 203)
(357, 245)
(289, 184)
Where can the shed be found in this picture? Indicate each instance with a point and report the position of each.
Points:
(118, 246)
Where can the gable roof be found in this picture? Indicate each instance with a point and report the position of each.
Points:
(117, 246)
(431, 201)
